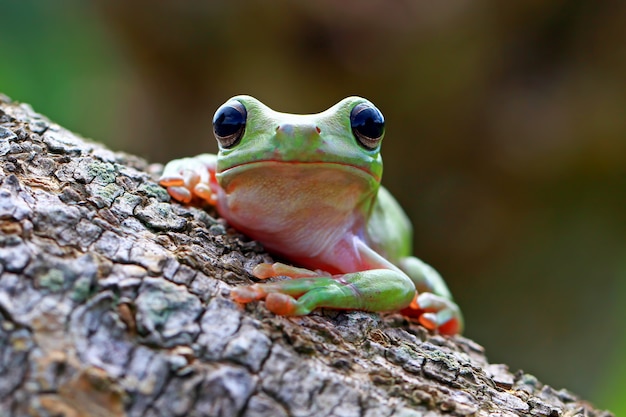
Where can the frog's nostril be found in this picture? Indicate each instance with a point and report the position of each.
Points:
(286, 129)
(290, 130)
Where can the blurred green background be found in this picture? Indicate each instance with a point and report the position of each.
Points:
(506, 134)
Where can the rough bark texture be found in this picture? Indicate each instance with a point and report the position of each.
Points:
(114, 301)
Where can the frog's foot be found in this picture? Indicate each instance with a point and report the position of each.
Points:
(436, 313)
(267, 270)
(187, 179)
(280, 297)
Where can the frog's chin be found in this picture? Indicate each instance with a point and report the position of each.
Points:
(294, 166)
(305, 207)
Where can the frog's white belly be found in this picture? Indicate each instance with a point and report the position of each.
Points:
(296, 209)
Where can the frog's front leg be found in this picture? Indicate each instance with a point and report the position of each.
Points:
(433, 305)
(371, 290)
(189, 179)
(375, 284)
(383, 289)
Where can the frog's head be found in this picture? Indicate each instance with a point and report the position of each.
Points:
(347, 135)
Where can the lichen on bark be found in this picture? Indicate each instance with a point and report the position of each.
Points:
(114, 301)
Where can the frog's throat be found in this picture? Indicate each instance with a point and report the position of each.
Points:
(357, 170)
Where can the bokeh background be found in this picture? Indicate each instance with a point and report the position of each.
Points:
(506, 134)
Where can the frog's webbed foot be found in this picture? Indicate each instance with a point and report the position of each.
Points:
(187, 179)
(290, 297)
(433, 306)
(436, 312)
(279, 296)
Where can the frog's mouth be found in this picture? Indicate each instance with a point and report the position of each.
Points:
(295, 166)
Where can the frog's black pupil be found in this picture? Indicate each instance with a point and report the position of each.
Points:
(368, 124)
(229, 123)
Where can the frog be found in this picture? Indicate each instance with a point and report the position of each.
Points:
(308, 188)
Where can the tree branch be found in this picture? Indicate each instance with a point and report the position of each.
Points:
(114, 301)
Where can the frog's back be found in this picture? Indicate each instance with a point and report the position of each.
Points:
(389, 231)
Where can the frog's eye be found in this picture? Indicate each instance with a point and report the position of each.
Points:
(368, 125)
(229, 123)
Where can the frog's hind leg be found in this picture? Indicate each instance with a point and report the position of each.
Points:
(433, 306)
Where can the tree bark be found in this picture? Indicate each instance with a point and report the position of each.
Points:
(114, 301)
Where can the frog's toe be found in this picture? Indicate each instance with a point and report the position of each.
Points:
(181, 194)
(284, 305)
(268, 270)
(452, 327)
(172, 181)
(248, 293)
(203, 191)
(264, 270)
(439, 313)
(431, 302)
(444, 321)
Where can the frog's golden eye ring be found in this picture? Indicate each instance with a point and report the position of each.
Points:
(368, 125)
(229, 123)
